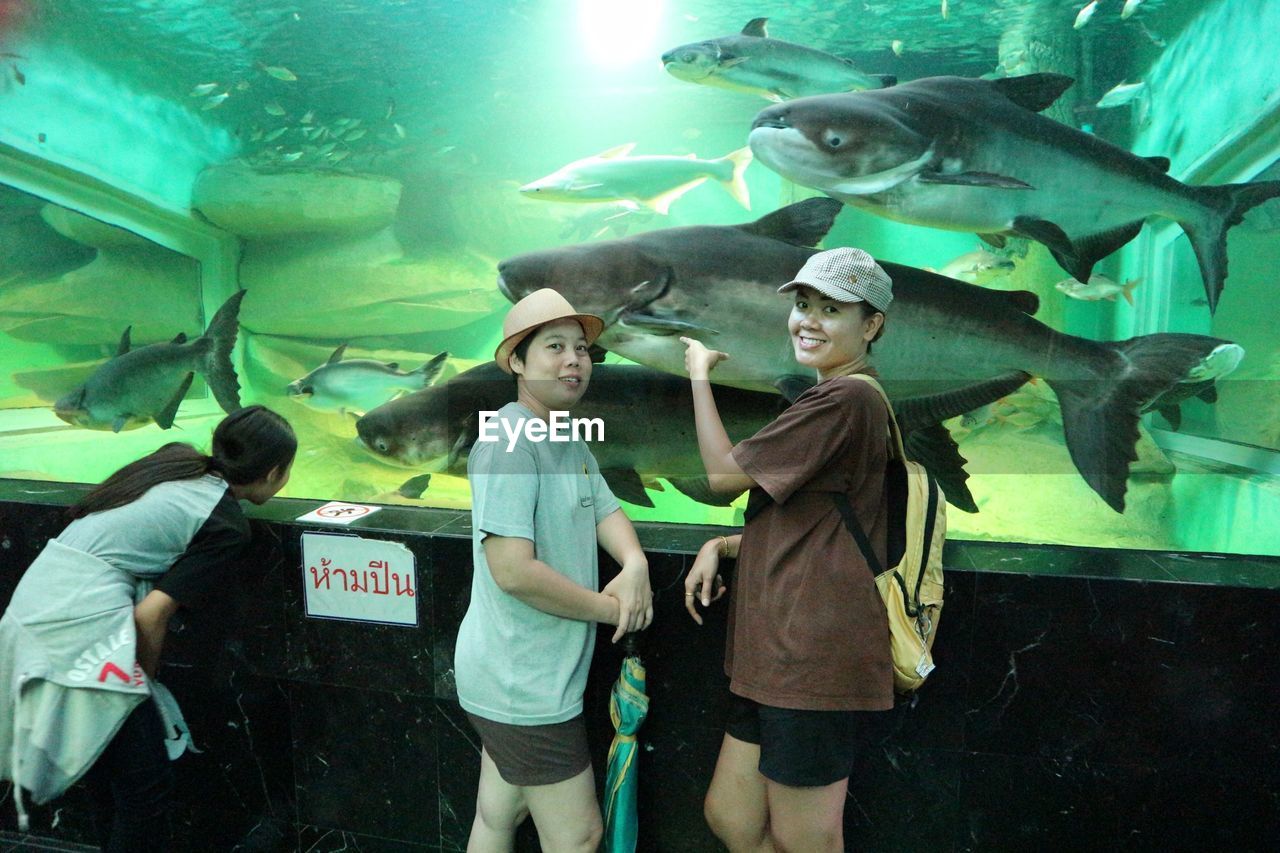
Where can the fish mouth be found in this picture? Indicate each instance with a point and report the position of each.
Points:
(505, 289)
(775, 122)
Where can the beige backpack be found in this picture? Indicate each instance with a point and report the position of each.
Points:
(912, 584)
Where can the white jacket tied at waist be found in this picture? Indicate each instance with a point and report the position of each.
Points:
(69, 672)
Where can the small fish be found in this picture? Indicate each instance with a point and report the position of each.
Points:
(203, 89)
(292, 156)
(1120, 95)
(273, 108)
(326, 149)
(353, 135)
(391, 109)
(307, 117)
(969, 266)
(1130, 6)
(275, 134)
(1152, 37)
(215, 101)
(1086, 14)
(1099, 287)
(399, 129)
(446, 149)
(896, 47)
(256, 135)
(242, 86)
(279, 72)
(339, 156)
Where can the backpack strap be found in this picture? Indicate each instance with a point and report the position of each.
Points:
(859, 535)
(894, 432)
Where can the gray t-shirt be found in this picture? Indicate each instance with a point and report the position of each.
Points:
(514, 663)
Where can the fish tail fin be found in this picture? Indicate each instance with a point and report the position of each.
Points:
(1227, 205)
(737, 184)
(221, 338)
(1100, 414)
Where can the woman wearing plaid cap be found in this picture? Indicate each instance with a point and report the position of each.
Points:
(808, 648)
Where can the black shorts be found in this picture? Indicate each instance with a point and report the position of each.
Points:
(805, 749)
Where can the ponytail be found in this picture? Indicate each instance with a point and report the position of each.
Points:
(248, 445)
(174, 461)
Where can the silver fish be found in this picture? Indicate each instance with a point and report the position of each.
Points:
(1099, 287)
(973, 155)
(1130, 6)
(652, 181)
(357, 385)
(138, 386)
(1118, 96)
(948, 347)
(1085, 15)
(778, 70)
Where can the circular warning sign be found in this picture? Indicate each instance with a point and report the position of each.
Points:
(343, 511)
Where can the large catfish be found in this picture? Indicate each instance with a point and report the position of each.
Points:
(948, 347)
(974, 155)
(648, 426)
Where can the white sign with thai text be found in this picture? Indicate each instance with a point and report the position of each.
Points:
(366, 580)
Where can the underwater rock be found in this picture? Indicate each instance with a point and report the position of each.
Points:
(256, 204)
(154, 290)
(359, 287)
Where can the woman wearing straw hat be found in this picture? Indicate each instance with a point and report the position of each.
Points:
(808, 648)
(524, 647)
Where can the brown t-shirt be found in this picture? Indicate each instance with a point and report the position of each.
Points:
(807, 627)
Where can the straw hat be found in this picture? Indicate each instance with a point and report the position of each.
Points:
(536, 310)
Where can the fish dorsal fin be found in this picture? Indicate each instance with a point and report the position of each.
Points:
(337, 355)
(125, 344)
(756, 28)
(616, 151)
(804, 223)
(1024, 300)
(180, 338)
(1034, 92)
(1161, 163)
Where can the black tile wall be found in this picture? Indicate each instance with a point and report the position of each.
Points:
(1083, 700)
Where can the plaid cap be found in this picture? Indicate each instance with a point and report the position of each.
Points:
(845, 275)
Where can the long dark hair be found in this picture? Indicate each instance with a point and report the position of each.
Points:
(247, 445)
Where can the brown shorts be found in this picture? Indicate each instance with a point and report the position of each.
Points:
(535, 755)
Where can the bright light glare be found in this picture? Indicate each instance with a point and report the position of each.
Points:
(620, 32)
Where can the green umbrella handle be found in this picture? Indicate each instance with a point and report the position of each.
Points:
(630, 643)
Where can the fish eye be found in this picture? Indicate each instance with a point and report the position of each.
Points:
(690, 56)
(381, 445)
(832, 138)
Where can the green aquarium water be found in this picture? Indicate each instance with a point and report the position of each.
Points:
(361, 168)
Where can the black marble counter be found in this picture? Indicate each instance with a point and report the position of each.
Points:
(1084, 699)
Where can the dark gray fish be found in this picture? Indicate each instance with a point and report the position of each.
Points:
(948, 347)
(974, 155)
(435, 428)
(138, 386)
